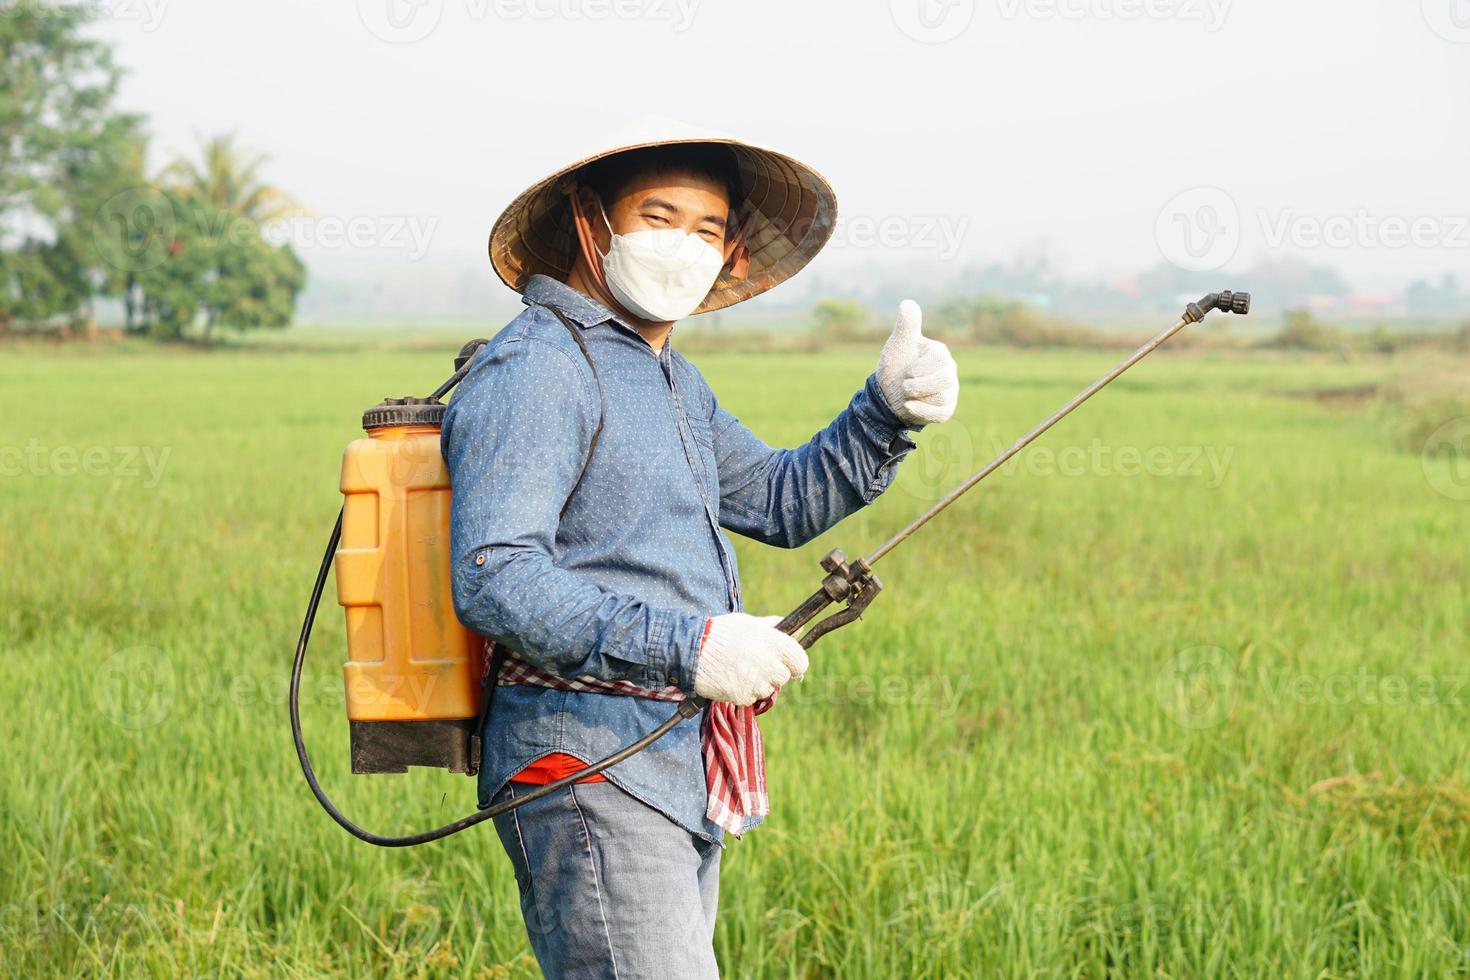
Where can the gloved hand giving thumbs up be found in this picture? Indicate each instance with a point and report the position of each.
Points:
(918, 376)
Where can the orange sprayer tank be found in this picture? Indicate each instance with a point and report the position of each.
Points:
(413, 673)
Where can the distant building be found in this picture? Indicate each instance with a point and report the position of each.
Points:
(1374, 304)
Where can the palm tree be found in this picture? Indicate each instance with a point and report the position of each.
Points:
(228, 178)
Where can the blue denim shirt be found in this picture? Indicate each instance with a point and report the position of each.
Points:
(619, 584)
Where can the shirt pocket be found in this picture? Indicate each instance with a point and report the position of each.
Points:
(703, 446)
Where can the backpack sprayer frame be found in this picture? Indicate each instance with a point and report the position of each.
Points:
(848, 582)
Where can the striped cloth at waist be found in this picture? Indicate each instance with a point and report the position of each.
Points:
(730, 740)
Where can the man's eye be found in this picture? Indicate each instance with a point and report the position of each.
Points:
(660, 219)
(710, 236)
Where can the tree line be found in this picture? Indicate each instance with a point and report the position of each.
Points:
(81, 218)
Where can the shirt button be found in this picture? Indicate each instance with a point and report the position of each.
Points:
(673, 680)
(480, 559)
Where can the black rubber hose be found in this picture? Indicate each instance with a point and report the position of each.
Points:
(688, 708)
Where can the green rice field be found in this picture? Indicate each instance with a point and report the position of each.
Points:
(1182, 692)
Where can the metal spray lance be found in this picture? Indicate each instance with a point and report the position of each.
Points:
(847, 582)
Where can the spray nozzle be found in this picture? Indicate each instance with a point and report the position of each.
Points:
(1225, 301)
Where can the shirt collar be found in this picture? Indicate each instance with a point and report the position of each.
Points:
(580, 308)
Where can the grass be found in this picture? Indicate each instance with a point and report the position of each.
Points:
(1122, 711)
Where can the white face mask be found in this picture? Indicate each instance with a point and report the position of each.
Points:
(661, 274)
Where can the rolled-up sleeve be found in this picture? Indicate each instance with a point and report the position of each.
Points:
(786, 497)
(516, 437)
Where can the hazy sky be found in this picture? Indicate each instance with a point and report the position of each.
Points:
(1109, 132)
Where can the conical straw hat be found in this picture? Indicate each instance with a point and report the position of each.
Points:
(787, 214)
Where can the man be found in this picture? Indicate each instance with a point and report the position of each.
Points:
(593, 472)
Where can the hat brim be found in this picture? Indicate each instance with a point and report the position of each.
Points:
(787, 216)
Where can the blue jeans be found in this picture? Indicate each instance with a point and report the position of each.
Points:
(610, 887)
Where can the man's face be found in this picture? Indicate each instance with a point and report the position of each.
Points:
(691, 203)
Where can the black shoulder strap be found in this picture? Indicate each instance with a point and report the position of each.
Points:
(597, 432)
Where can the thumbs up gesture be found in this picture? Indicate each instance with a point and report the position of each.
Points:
(917, 376)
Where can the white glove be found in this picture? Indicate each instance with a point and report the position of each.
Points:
(745, 658)
(918, 376)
